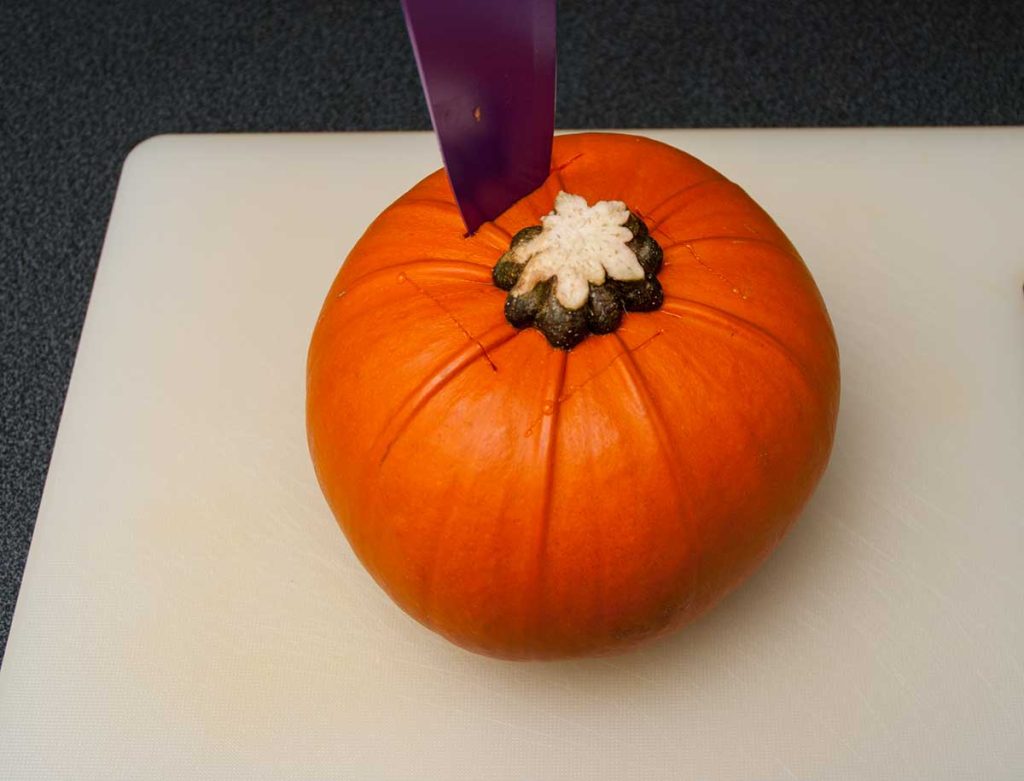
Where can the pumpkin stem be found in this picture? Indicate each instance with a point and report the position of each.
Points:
(579, 270)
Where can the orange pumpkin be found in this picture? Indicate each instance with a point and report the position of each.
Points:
(528, 501)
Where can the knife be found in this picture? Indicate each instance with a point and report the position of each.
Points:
(488, 73)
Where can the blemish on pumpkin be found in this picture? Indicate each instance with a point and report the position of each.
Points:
(451, 315)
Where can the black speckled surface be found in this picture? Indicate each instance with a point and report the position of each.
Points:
(81, 83)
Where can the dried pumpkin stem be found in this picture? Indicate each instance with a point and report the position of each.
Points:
(579, 271)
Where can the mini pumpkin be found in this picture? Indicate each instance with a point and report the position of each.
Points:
(584, 425)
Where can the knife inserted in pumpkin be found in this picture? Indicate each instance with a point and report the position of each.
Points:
(488, 73)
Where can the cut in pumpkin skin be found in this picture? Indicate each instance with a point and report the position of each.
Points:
(530, 501)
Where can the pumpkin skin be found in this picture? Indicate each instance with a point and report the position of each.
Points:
(531, 502)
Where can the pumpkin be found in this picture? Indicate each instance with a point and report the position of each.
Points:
(582, 426)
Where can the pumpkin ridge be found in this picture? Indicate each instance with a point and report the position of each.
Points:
(409, 201)
(656, 223)
(426, 200)
(435, 381)
(666, 443)
(442, 264)
(505, 232)
(574, 389)
(452, 317)
(698, 311)
(734, 287)
(549, 446)
(697, 369)
(527, 199)
(740, 239)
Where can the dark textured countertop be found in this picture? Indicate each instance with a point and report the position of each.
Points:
(81, 83)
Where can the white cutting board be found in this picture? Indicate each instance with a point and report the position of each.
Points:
(190, 609)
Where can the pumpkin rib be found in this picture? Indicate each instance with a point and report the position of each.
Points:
(433, 566)
(574, 389)
(666, 443)
(549, 447)
(733, 239)
(429, 588)
(453, 318)
(730, 213)
(697, 311)
(416, 201)
(656, 223)
(496, 237)
(437, 378)
(406, 292)
(428, 200)
(423, 202)
(442, 264)
(506, 236)
(713, 383)
(534, 208)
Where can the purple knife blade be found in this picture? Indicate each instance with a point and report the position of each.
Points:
(488, 72)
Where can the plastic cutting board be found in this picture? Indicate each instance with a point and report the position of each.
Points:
(190, 609)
